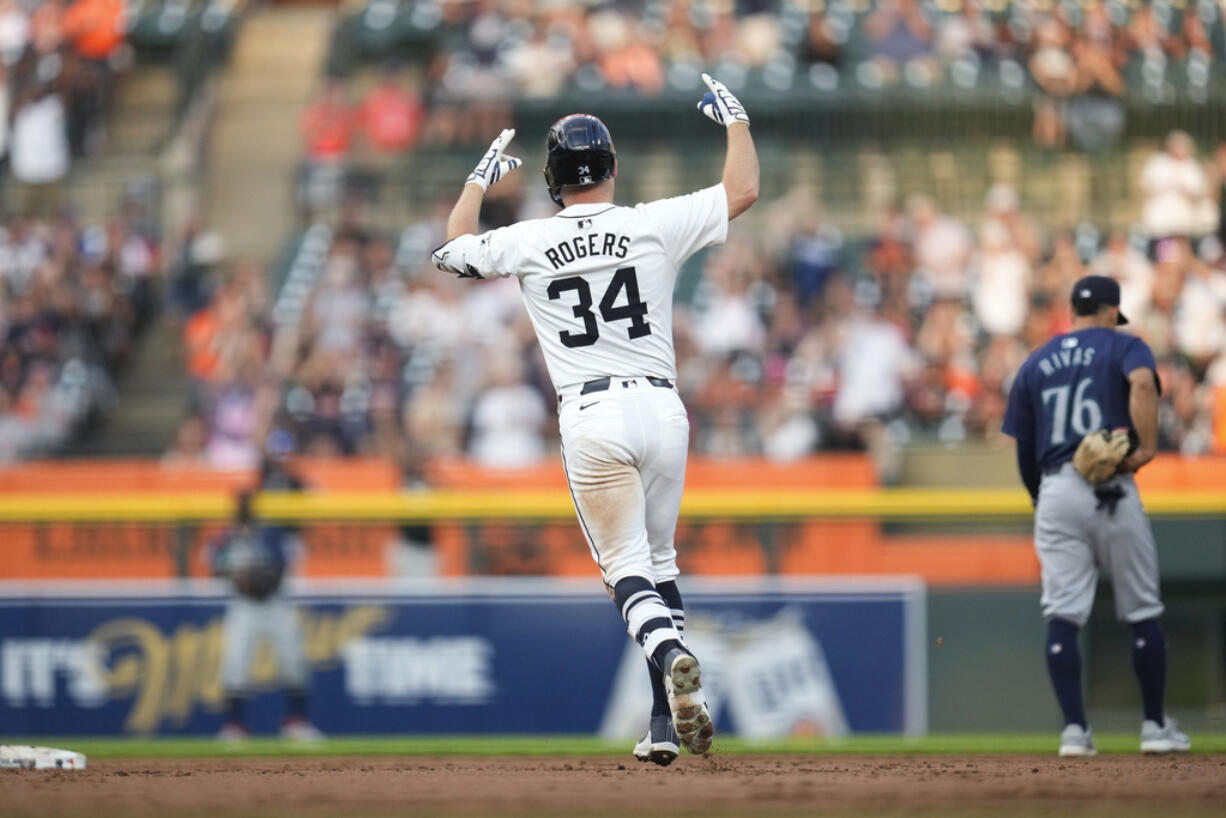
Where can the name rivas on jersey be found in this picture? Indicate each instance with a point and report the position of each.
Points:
(592, 244)
(1078, 356)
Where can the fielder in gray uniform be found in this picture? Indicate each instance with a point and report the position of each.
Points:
(1069, 390)
(254, 558)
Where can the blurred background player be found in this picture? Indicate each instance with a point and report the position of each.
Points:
(255, 557)
(1076, 384)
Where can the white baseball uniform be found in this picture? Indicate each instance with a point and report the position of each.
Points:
(598, 280)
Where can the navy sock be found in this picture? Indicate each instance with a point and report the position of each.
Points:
(1149, 663)
(296, 701)
(235, 709)
(671, 595)
(659, 699)
(1064, 667)
(647, 618)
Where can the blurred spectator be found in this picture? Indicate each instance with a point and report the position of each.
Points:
(1002, 282)
(1121, 261)
(541, 64)
(391, 115)
(1055, 72)
(789, 426)
(68, 316)
(14, 31)
(1200, 314)
(508, 417)
(874, 362)
(625, 61)
(1219, 165)
(822, 41)
(1095, 113)
(327, 124)
(900, 34)
(1056, 278)
(327, 127)
(187, 451)
(95, 31)
(1175, 191)
(40, 153)
(942, 248)
(1004, 206)
(729, 322)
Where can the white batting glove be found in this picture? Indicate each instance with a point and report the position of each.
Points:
(493, 166)
(720, 105)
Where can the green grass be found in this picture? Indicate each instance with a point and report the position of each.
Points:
(567, 745)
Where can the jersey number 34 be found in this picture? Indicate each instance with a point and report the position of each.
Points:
(634, 310)
(1085, 414)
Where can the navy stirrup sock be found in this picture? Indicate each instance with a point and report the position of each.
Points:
(1149, 663)
(671, 595)
(647, 618)
(1064, 667)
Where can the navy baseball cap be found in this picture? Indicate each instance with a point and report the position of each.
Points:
(1093, 291)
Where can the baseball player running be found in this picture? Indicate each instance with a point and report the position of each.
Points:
(597, 280)
(1084, 412)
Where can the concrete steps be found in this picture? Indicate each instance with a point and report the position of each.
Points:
(251, 158)
(256, 147)
(153, 396)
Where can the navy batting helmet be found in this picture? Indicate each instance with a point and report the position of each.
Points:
(578, 151)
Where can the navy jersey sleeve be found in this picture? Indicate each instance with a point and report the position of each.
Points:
(1137, 355)
(1019, 424)
(1019, 414)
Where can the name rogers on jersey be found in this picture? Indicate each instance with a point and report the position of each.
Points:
(593, 244)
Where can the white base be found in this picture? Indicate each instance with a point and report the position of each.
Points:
(29, 757)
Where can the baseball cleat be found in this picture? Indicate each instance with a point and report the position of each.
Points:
(299, 729)
(232, 732)
(691, 719)
(1076, 742)
(659, 746)
(1166, 738)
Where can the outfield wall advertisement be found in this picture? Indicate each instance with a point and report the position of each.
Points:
(482, 656)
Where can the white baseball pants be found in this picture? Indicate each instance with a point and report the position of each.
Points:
(624, 451)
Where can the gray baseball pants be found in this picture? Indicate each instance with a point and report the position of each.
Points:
(1076, 535)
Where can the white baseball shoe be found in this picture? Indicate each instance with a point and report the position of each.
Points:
(233, 733)
(1076, 742)
(301, 730)
(659, 746)
(691, 719)
(1163, 739)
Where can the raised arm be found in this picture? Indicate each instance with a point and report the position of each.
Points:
(464, 218)
(741, 161)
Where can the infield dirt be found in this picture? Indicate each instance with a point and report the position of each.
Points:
(871, 786)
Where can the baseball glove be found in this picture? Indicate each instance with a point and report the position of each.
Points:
(1099, 454)
(257, 581)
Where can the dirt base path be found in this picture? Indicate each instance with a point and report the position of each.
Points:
(735, 785)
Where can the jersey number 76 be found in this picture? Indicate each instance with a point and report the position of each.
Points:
(634, 310)
(1086, 415)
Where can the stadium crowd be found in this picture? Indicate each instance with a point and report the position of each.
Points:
(72, 300)
(58, 62)
(791, 338)
(1079, 55)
